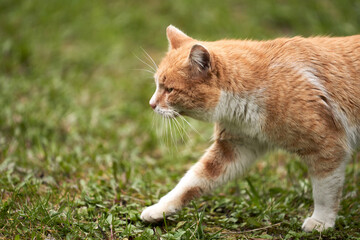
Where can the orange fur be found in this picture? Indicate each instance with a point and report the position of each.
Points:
(213, 163)
(299, 94)
(297, 119)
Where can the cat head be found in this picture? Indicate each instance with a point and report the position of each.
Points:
(186, 79)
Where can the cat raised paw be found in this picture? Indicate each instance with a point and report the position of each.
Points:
(156, 212)
(153, 213)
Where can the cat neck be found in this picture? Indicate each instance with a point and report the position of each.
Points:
(241, 66)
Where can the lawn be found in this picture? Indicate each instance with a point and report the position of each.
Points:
(82, 153)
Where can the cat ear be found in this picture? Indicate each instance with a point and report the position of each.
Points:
(176, 37)
(200, 57)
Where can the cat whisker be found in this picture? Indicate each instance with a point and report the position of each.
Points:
(146, 70)
(166, 132)
(182, 118)
(164, 136)
(147, 64)
(172, 135)
(171, 132)
(160, 126)
(182, 130)
(151, 59)
(178, 129)
(163, 130)
(153, 122)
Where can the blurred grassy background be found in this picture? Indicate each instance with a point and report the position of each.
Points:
(79, 154)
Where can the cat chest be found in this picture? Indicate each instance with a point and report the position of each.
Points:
(241, 115)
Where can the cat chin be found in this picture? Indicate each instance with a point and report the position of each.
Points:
(201, 116)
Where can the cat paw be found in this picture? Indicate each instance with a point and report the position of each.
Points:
(155, 213)
(311, 224)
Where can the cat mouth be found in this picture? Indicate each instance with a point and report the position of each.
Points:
(168, 113)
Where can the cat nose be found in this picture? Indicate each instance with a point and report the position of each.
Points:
(152, 101)
(153, 105)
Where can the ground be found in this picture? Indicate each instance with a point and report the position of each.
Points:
(80, 154)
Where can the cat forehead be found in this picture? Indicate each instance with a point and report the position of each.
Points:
(160, 77)
(165, 70)
(172, 62)
(173, 65)
(173, 76)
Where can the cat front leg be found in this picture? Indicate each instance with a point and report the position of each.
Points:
(223, 161)
(327, 192)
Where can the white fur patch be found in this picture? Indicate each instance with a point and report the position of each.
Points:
(326, 194)
(153, 98)
(242, 114)
(309, 74)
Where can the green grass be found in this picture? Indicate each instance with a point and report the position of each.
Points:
(79, 154)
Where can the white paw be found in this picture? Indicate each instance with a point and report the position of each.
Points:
(311, 224)
(156, 212)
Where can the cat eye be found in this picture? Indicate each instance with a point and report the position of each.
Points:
(169, 90)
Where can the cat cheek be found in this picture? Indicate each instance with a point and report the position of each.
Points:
(171, 98)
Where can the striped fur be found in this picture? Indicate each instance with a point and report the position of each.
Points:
(298, 94)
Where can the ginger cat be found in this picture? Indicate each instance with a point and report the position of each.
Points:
(298, 94)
